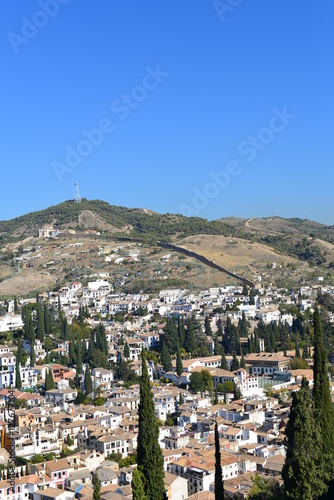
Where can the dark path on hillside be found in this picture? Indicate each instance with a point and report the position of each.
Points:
(174, 248)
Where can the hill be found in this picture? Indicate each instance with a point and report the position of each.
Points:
(283, 251)
(103, 217)
(301, 238)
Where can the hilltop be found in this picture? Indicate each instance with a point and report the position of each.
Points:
(283, 251)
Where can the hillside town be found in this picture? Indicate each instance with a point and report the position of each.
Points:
(72, 359)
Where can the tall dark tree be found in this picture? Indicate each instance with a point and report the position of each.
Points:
(19, 354)
(126, 350)
(149, 454)
(32, 354)
(29, 331)
(190, 340)
(216, 345)
(207, 326)
(49, 382)
(181, 331)
(297, 351)
(235, 363)
(243, 326)
(71, 352)
(170, 337)
(47, 321)
(219, 484)
(179, 366)
(302, 472)
(137, 483)
(322, 401)
(18, 381)
(97, 488)
(243, 362)
(88, 381)
(223, 362)
(65, 331)
(16, 309)
(40, 324)
(165, 358)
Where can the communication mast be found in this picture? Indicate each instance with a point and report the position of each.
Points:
(77, 194)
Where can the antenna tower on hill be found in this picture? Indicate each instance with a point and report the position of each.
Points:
(77, 194)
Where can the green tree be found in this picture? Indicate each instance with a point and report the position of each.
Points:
(219, 484)
(40, 324)
(179, 366)
(19, 354)
(190, 339)
(165, 358)
(196, 382)
(223, 362)
(302, 472)
(149, 454)
(126, 351)
(69, 440)
(49, 382)
(18, 381)
(88, 381)
(235, 363)
(97, 488)
(32, 354)
(207, 326)
(265, 489)
(243, 362)
(297, 351)
(16, 309)
(137, 483)
(181, 331)
(322, 401)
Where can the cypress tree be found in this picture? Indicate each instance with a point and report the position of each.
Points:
(138, 492)
(322, 401)
(297, 351)
(97, 488)
(302, 472)
(219, 485)
(216, 345)
(40, 324)
(235, 363)
(207, 326)
(223, 362)
(32, 354)
(78, 355)
(88, 381)
(19, 351)
(181, 331)
(126, 350)
(243, 362)
(72, 355)
(179, 366)
(166, 359)
(49, 382)
(190, 341)
(16, 309)
(29, 327)
(149, 454)
(18, 382)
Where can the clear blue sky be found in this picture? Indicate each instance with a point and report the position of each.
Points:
(209, 108)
